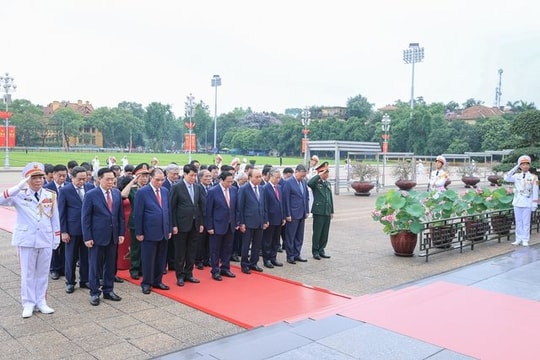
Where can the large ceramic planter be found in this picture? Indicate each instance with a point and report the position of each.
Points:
(475, 230)
(404, 243)
(494, 180)
(470, 181)
(405, 185)
(442, 236)
(501, 224)
(362, 188)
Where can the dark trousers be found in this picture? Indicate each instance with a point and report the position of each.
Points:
(102, 259)
(203, 250)
(76, 250)
(153, 258)
(185, 249)
(237, 243)
(295, 238)
(170, 255)
(251, 238)
(58, 259)
(134, 254)
(321, 228)
(221, 250)
(271, 242)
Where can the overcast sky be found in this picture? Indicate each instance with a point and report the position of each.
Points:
(271, 55)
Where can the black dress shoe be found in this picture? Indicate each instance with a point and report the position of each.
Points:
(217, 277)
(161, 286)
(227, 273)
(70, 288)
(118, 280)
(134, 275)
(84, 285)
(192, 279)
(246, 270)
(180, 282)
(301, 259)
(268, 264)
(235, 258)
(94, 300)
(280, 249)
(276, 263)
(256, 268)
(206, 263)
(291, 261)
(146, 290)
(199, 266)
(316, 257)
(55, 275)
(324, 256)
(112, 296)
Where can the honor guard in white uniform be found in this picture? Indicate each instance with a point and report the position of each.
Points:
(525, 198)
(438, 176)
(36, 234)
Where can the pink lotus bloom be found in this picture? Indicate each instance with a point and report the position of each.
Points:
(509, 190)
(390, 218)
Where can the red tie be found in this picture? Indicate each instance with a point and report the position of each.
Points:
(276, 191)
(109, 200)
(158, 195)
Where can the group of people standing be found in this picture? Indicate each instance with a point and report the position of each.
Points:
(176, 222)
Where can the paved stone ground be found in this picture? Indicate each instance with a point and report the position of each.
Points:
(141, 326)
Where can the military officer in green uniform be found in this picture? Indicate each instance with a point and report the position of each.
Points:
(322, 210)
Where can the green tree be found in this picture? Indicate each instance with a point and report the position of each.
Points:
(359, 106)
(118, 126)
(158, 121)
(527, 125)
(471, 102)
(29, 121)
(68, 123)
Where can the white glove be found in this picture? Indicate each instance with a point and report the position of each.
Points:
(23, 184)
(514, 169)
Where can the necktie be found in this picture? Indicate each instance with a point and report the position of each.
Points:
(256, 192)
(437, 173)
(37, 196)
(227, 198)
(524, 175)
(109, 201)
(276, 191)
(301, 187)
(79, 192)
(158, 196)
(191, 195)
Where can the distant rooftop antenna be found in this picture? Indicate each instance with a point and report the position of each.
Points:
(498, 91)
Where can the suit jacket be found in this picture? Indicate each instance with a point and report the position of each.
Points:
(151, 220)
(276, 213)
(52, 186)
(296, 202)
(251, 211)
(219, 216)
(322, 196)
(185, 213)
(167, 184)
(69, 207)
(98, 223)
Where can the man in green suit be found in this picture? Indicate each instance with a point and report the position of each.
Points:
(322, 210)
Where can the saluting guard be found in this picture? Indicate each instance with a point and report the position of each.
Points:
(438, 177)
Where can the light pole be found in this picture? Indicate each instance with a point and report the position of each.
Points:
(8, 86)
(306, 114)
(190, 107)
(412, 55)
(216, 81)
(386, 136)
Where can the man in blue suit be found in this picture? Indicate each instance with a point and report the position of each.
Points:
(273, 197)
(70, 199)
(103, 229)
(253, 219)
(221, 223)
(153, 229)
(295, 197)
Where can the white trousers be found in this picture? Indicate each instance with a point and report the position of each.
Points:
(523, 224)
(35, 264)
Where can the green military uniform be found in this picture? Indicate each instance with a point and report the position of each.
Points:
(322, 210)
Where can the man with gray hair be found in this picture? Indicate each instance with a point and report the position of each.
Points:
(172, 171)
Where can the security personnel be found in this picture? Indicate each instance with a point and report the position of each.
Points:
(322, 210)
(36, 234)
(525, 198)
(438, 176)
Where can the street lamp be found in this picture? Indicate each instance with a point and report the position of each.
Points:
(306, 114)
(8, 86)
(412, 55)
(386, 136)
(216, 81)
(190, 107)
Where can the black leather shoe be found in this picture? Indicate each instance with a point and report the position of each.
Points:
(316, 257)
(199, 266)
(70, 288)
(55, 275)
(228, 273)
(112, 296)
(206, 263)
(256, 268)
(118, 280)
(324, 256)
(235, 258)
(192, 279)
(268, 264)
(276, 263)
(84, 285)
(134, 275)
(180, 282)
(246, 271)
(161, 286)
(94, 300)
(217, 277)
(291, 261)
(146, 290)
(280, 249)
(301, 259)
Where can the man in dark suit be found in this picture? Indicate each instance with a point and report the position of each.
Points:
(295, 197)
(202, 258)
(187, 220)
(253, 219)
(103, 229)
(153, 229)
(60, 174)
(70, 199)
(276, 218)
(221, 225)
(172, 173)
(322, 210)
